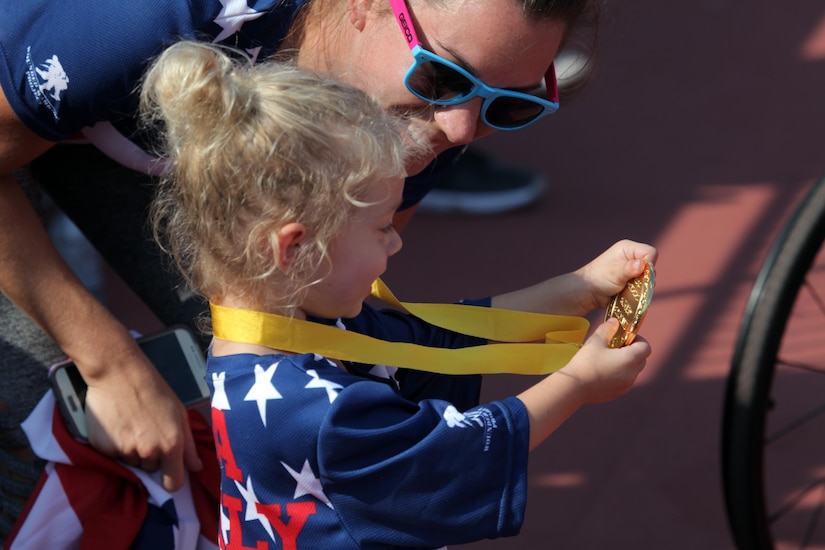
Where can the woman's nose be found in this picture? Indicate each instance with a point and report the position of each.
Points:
(462, 123)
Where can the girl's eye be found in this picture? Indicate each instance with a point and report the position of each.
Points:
(388, 229)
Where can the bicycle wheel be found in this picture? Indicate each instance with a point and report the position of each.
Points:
(773, 431)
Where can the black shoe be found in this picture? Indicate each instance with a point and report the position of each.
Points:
(478, 184)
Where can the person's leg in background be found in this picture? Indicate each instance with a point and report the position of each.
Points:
(480, 184)
(110, 204)
(25, 356)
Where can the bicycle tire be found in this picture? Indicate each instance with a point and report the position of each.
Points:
(748, 390)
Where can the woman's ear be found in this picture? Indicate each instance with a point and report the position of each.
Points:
(285, 244)
(358, 10)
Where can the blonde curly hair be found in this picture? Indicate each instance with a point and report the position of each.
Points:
(249, 148)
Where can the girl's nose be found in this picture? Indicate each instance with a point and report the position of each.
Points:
(394, 244)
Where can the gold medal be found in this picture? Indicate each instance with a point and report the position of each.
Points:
(630, 305)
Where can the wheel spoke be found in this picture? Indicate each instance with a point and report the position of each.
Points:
(794, 503)
(815, 295)
(795, 424)
(799, 420)
(814, 369)
(794, 500)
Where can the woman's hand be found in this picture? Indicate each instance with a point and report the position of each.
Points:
(132, 414)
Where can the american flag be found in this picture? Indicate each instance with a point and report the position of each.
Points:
(89, 501)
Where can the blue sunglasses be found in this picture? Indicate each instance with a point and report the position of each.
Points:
(441, 82)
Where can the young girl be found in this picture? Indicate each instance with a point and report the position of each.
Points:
(288, 210)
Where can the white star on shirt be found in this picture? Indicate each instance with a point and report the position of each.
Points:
(322, 358)
(251, 499)
(318, 382)
(219, 399)
(308, 484)
(263, 390)
(232, 16)
(253, 53)
(224, 524)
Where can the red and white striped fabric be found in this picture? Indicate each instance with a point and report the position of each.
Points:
(86, 500)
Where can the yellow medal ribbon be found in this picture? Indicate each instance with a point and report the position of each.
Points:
(519, 354)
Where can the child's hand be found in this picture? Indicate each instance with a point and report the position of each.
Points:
(610, 272)
(596, 374)
(602, 373)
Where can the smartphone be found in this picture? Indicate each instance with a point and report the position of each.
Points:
(174, 352)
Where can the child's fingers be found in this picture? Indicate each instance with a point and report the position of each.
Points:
(605, 332)
(641, 346)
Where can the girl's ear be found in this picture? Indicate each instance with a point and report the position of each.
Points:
(285, 244)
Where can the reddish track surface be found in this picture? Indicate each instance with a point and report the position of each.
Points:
(703, 125)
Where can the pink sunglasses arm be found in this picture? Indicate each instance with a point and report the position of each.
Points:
(552, 84)
(402, 16)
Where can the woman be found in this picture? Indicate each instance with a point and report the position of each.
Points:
(70, 68)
